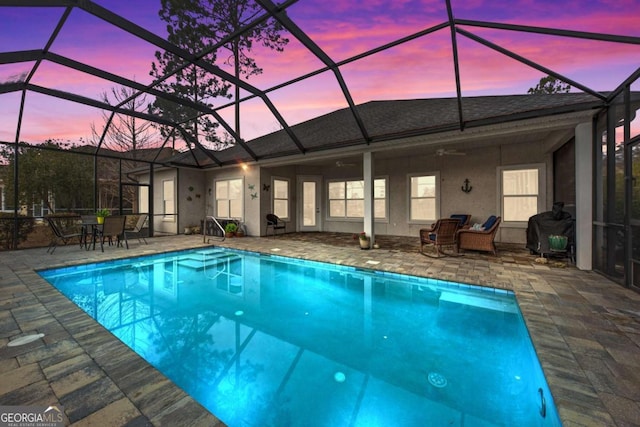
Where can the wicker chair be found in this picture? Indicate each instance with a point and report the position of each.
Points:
(465, 219)
(275, 224)
(479, 240)
(442, 234)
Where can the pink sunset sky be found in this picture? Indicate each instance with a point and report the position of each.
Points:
(422, 68)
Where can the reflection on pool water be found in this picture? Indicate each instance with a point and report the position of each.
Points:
(264, 340)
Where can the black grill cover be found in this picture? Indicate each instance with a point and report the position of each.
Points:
(544, 224)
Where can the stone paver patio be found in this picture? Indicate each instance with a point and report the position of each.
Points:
(586, 330)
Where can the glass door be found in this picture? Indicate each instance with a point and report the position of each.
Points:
(309, 188)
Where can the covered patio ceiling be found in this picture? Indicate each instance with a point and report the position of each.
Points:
(63, 64)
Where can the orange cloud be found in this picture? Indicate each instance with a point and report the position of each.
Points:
(418, 69)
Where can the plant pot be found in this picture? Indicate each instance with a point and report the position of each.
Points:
(364, 243)
(229, 234)
(100, 219)
(239, 233)
(558, 242)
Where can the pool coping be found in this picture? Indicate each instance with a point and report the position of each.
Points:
(584, 329)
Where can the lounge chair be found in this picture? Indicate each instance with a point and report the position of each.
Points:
(113, 228)
(61, 235)
(442, 234)
(136, 232)
(480, 240)
(275, 224)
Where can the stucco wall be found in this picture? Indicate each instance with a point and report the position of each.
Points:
(251, 191)
(266, 176)
(192, 198)
(480, 166)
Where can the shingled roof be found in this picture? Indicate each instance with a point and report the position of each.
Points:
(390, 120)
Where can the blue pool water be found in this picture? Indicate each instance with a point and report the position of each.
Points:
(264, 340)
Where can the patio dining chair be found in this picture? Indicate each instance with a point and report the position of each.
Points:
(60, 235)
(442, 234)
(113, 228)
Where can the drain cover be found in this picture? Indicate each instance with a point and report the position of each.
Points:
(24, 340)
(437, 380)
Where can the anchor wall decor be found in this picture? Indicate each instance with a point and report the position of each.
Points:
(466, 187)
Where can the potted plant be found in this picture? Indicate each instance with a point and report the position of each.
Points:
(100, 214)
(242, 230)
(230, 229)
(364, 240)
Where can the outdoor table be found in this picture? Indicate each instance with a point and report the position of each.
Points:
(94, 234)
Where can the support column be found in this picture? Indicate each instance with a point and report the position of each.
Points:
(584, 196)
(368, 176)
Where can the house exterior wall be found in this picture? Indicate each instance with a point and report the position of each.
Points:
(484, 157)
(480, 166)
(265, 190)
(252, 197)
(524, 154)
(191, 198)
(252, 200)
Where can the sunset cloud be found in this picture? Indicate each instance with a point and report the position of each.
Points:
(421, 68)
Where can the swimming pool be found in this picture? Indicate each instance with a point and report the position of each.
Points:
(266, 340)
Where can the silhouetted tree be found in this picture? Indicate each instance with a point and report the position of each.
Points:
(126, 133)
(549, 84)
(127, 136)
(196, 25)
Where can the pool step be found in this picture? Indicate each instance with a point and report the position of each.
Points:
(487, 303)
(200, 261)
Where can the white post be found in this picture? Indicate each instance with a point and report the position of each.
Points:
(584, 196)
(367, 171)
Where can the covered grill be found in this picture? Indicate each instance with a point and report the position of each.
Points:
(545, 224)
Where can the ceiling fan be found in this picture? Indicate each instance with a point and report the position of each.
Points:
(449, 152)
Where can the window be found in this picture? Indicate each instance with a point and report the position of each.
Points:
(229, 198)
(281, 198)
(346, 199)
(423, 201)
(521, 192)
(168, 206)
(380, 198)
